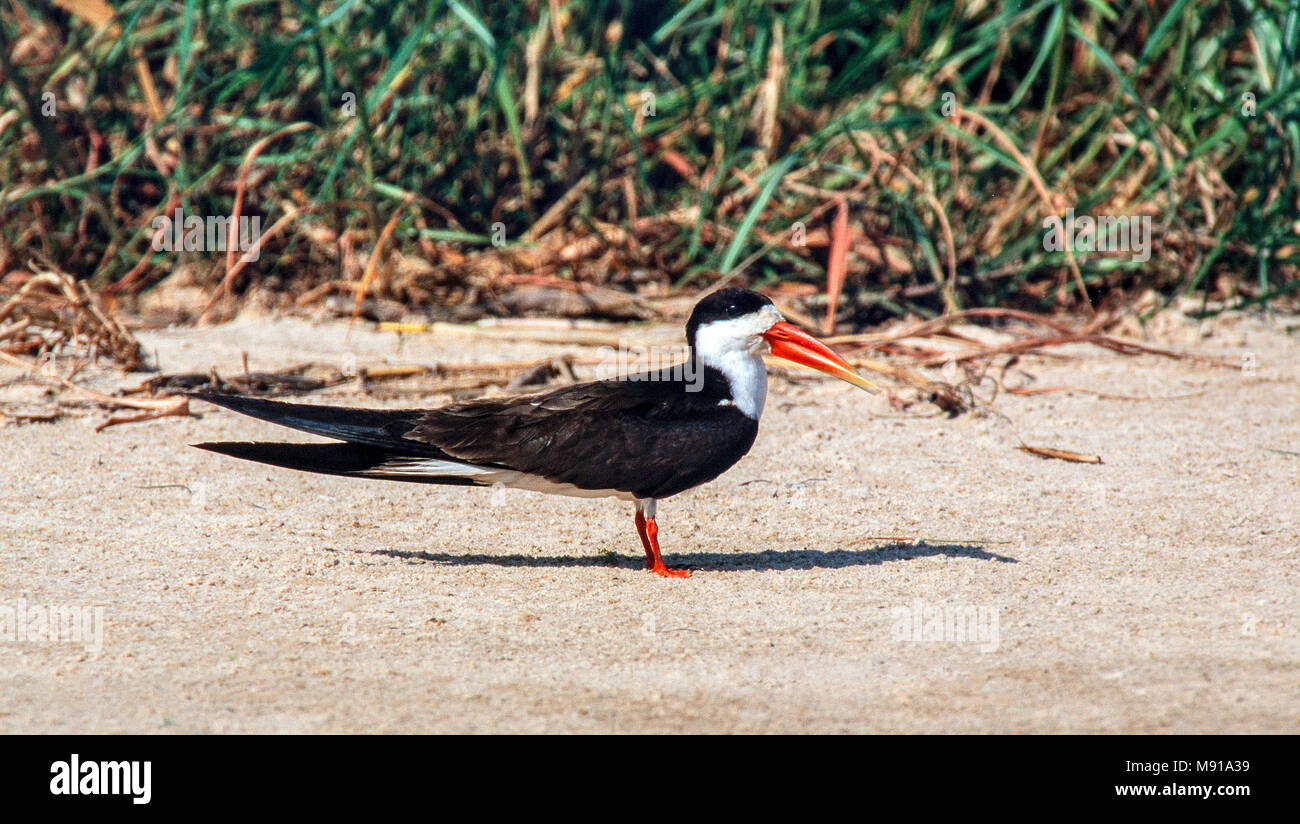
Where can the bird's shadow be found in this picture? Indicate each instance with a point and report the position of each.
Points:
(773, 559)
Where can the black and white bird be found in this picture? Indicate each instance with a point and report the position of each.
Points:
(639, 437)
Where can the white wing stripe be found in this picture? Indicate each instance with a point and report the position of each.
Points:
(488, 476)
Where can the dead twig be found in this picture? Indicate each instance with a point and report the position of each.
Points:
(1059, 454)
(373, 264)
(837, 265)
(181, 410)
(153, 408)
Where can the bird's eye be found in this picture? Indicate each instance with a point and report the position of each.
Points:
(733, 310)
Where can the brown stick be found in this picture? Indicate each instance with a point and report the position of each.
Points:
(155, 405)
(246, 258)
(836, 267)
(1059, 454)
(373, 263)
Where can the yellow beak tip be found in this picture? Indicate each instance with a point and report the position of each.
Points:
(863, 383)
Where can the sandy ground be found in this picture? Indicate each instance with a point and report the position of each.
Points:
(1156, 592)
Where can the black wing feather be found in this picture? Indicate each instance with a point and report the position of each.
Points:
(651, 437)
(383, 428)
(326, 458)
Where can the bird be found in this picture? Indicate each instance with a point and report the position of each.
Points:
(641, 437)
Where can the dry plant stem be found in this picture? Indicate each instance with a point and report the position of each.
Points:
(14, 328)
(554, 215)
(543, 280)
(241, 186)
(290, 213)
(1030, 345)
(90, 320)
(153, 405)
(317, 292)
(496, 367)
(1059, 454)
(99, 13)
(180, 410)
(685, 217)
(561, 336)
(1039, 186)
(949, 287)
(373, 264)
(1065, 335)
(899, 373)
(142, 265)
(837, 265)
(49, 278)
(1047, 390)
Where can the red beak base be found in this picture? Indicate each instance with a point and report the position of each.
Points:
(791, 343)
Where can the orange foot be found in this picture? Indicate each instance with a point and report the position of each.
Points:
(649, 532)
(667, 571)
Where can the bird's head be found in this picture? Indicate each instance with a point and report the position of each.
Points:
(732, 324)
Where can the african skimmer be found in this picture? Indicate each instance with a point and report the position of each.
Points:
(640, 438)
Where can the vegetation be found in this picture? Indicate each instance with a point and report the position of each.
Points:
(911, 151)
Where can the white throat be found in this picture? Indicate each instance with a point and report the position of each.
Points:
(747, 376)
(734, 348)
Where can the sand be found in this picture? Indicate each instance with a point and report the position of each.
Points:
(1155, 592)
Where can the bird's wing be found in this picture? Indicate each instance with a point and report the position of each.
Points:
(616, 436)
(627, 436)
(571, 435)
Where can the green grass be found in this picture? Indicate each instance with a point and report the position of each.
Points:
(1123, 108)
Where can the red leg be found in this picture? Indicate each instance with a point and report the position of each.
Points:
(649, 532)
(645, 540)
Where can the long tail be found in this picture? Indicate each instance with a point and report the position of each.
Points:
(374, 443)
(372, 427)
(332, 459)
